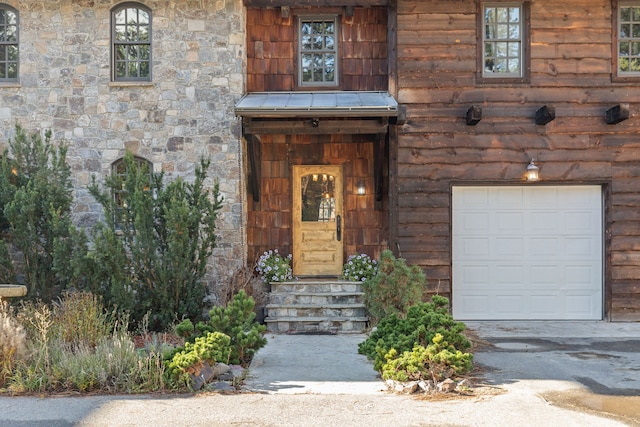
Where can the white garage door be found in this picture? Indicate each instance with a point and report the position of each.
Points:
(527, 253)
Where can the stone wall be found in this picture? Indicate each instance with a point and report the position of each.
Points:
(185, 112)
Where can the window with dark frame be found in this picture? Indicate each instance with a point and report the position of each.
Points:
(8, 44)
(131, 43)
(628, 39)
(120, 171)
(318, 51)
(503, 40)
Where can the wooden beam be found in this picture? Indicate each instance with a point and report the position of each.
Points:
(254, 154)
(617, 114)
(314, 3)
(474, 115)
(545, 114)
(319, 126)
(380, 149)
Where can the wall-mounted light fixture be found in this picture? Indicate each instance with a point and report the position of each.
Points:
(361, 189)
(532, 172)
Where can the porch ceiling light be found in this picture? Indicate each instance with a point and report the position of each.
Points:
(532, 172)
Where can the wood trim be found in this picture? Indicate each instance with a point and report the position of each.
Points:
(323, 127)
(315, 3)
(378, 161)
(392, 47)
(254, 154)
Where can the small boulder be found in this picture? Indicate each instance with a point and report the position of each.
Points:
(446, 386)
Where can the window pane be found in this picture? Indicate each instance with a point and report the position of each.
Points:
(12, 70)
(635, 30)
(3, 70)
(625, 31)
(143, 33)
(317, 43)
(144, 52)
(306, 42)
(305, 28)
(12, 53)
(625, 14)
(635, 14)
(144, 69)
(501, 49)
(624, 48)
(502, 31)
(500, 66)
(634, 65)
(121, 69)
(329, 42)
(514, 66)
(514, 50)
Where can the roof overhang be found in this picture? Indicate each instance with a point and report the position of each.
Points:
(339, 104)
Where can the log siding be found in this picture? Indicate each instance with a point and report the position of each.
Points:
(571, 70)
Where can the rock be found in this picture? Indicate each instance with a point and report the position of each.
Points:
(446, 386)
(425, 385)
(202, 375)
(402, 387)
(220, 369)
(465, 384)
(222, 387)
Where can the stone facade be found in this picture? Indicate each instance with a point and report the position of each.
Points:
(185, 112)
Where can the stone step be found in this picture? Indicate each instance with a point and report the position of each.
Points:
(314, 286)
(317, 298)
(317, 324)
(312, 310)
(316, 306)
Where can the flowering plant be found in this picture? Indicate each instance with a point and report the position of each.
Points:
(359, 268)
(273, 267)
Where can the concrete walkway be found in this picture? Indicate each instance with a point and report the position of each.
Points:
(321, 364)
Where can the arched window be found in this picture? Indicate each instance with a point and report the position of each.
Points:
(120, 170)
(131, 42)
(8, 44)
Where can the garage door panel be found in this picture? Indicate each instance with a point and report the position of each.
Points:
(527, 253)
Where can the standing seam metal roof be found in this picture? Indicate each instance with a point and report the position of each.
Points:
(317, 104)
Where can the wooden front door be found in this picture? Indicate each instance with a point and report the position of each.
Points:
(317, 220)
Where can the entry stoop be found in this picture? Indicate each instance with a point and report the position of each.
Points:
(316, 306)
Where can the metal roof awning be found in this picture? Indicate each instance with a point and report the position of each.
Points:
(317, 104)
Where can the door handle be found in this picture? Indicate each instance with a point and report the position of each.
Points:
(338, 228)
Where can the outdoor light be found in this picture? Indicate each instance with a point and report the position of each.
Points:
(532, 172)
(361, 189)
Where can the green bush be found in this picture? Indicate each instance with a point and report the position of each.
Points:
(151, 255)
(394, 288)
(35, 216)
(437, 361)
(237, 320)
(418, 328)
(213, 347)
